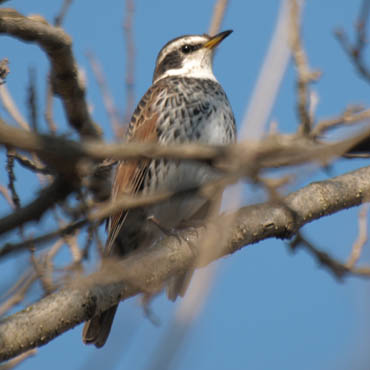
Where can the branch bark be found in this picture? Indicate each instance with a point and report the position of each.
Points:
(64, 72)
(147, 269)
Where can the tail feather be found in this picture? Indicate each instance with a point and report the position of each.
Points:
(96, 330)
(178, 285)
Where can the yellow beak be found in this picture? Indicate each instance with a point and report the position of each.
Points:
(215, 40)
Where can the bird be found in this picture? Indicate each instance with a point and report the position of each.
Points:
(185, 104)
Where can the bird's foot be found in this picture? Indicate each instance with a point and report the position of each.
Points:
(165, 230)
(180, 233)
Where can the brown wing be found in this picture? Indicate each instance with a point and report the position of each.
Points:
(130, 174)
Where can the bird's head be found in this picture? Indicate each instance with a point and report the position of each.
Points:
(188, 56)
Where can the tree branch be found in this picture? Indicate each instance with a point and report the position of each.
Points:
(57, 191)
(64, 72)
(356, 50)
(272, 152)
(304, 74)
(147, 269)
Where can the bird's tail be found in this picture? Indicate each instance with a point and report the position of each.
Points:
(178, 285)
(97, 329)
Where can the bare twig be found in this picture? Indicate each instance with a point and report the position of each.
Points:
(72, 241)
(10, 248)
(32, 100)
(38, 265)
(57, 191)
(362, 23)
(13, 111)
(218, 16)
(5, 193)
(18, 291)
(130, 62)
(4, 70)
(58, 20)
(337, 268)
(356, 51)
(18, 360)
(12, 178)
(29, 163)
(362, 237)
(91, 234)
(304, 75)
(340, 269)
(11, 108)
(48, 114)
(350, 116)
(107, 96)
(47, 276)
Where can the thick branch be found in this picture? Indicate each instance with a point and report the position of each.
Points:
(147, 269)
(64, 72)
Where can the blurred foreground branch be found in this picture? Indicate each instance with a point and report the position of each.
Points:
(73, 162)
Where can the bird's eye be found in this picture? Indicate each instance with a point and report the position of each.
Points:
(186, 49)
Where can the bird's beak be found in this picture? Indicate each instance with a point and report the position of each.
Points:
(215, 40)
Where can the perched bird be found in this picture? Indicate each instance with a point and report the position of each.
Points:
(184, 104)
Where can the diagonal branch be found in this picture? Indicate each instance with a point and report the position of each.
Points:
(57, 191)
(356, 50)
(146, 270)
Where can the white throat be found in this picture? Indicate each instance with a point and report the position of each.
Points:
(193, 69)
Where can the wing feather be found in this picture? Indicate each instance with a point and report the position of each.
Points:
(130, 174)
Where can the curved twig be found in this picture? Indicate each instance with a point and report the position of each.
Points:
(64, 72)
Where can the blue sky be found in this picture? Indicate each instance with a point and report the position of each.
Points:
(269, 308)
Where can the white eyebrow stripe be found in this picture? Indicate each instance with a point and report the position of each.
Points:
(175, 45)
